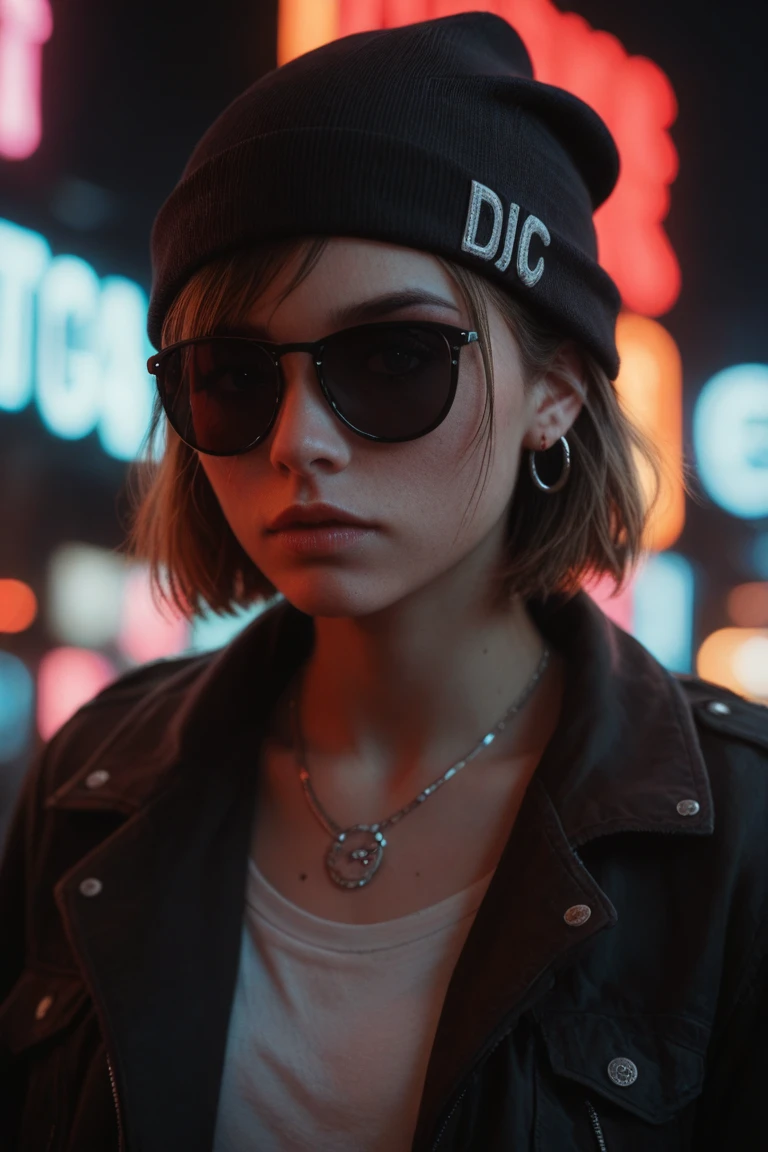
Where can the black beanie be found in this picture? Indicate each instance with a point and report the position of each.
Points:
(431, 136)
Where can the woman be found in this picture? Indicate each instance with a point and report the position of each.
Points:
(432, 855)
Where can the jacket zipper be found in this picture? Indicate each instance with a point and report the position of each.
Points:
(592, 1115)
(120, 1139)
(448, 1117)
(597, 1126)
(522, 1007)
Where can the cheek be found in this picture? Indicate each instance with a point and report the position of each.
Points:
(237, 485)
(464, 455)
(449, 489)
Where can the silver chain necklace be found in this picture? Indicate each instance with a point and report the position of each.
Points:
(355, 853)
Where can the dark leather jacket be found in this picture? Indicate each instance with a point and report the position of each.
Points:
(612, 993)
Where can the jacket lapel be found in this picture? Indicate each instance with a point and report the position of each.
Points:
(518, 940)
(624, 754)
(159, 944)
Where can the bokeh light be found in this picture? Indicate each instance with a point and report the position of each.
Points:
(85, 594)
(25, 25)
(146, 632)
(18, 606)
(737, 658)
(17, 696)
(75, 344)
(67, 678)
(650, 385)
(730, 433)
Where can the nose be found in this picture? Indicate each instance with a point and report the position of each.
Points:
(304, 410)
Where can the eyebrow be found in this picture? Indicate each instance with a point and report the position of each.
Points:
(353, 313)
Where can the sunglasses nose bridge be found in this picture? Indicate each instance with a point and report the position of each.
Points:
(303, 373)
(284, 349)
(313, 350)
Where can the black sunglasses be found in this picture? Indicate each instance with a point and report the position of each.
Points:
(389, 382)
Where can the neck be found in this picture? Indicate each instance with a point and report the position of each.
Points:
(402, 694)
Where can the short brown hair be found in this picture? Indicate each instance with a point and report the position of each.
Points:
(592, 527)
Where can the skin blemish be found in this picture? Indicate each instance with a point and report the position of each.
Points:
(302, 875)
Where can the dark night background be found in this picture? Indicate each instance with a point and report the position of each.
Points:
(130, 85)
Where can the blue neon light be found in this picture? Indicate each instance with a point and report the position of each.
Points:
(730, 434)
(86, 366)
(662, 609)
(17, 696)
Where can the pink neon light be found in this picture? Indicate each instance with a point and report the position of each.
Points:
(621, 608)
(634, 98)
(67, 678)
(145, 634)
(25, 25)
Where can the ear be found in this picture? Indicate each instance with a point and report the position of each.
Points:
(555, 400)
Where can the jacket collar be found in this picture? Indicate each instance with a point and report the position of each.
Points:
(624, 755)
(625, 752)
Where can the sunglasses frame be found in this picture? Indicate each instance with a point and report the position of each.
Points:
(456, 338)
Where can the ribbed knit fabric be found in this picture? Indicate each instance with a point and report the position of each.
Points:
(433, 136)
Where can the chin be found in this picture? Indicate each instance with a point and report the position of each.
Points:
(337, 595)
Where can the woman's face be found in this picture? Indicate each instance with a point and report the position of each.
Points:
(417, 492)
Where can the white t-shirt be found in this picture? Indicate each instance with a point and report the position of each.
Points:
(332, 1024)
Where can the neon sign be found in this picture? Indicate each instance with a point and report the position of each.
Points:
(650, 388)
(631, 93)
(75, 344)
(25, 25)
(730, 435)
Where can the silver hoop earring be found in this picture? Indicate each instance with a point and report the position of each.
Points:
(562, 480)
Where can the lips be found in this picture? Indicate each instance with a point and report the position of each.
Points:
(315, 516)
(309, 525)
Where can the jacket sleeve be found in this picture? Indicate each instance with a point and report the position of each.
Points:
(732, 1110)
(20, 840)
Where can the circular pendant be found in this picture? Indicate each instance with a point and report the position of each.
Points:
(355, 855)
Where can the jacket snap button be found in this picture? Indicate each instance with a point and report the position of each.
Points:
(97, 778)
(43, 1006)
(622, 1071)
(91, 886)
(688, 807)
(717, 708)
(578, 914)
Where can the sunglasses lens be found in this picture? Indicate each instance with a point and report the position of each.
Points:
(392, 382)
(219, 395)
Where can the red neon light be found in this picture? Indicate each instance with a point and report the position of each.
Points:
(632, 95)
(25, 25)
